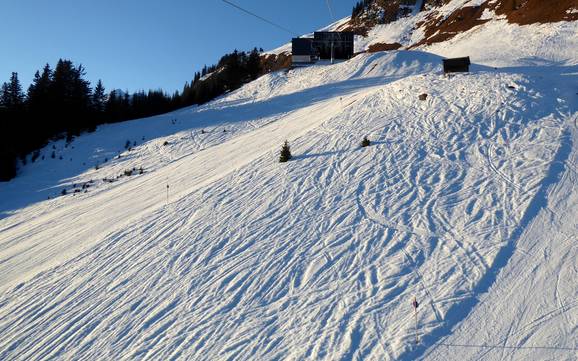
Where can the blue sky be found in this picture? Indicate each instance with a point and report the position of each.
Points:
(145, 44)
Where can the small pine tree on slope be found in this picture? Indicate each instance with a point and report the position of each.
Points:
(285, 154)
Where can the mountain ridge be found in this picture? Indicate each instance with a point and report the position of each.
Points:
(440, 22)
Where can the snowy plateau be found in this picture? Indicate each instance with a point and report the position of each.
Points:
(467, 201)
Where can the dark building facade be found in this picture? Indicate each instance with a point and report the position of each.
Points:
(456, 65)
(324, 45)
(341, 42)
(302, 50)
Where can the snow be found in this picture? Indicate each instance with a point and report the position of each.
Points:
(537, 44)
(401, 31)
(466, 201)
(239, 113)
(285, 48)
(489, 14)
(531, 312)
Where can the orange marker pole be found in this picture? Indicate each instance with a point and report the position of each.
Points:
(167, 194)
(415, 306)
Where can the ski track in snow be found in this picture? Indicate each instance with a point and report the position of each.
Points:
(318, 258)
(543, 325)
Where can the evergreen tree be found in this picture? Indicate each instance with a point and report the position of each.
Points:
(365, 142)
(5, 96)
(7, 163)
(60, 101)
(16, 91)
(126, 110)
(234, 70)
(176, 100)
(111, 107)
(285, 154)
(39, 92)
(99, 98)
(231, 74)
(71, 95)
(186, 95)
(12, 126)
(40, 107)
(254, 64)
(12, 97)
(359, 7)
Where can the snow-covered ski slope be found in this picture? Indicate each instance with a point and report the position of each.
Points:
(531, 311)
(466, 201)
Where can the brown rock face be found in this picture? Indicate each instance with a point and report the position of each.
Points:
(523, 12)
(374, 48)
(271, 62)
(437, 29)
(378, 12)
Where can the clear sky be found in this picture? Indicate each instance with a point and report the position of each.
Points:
(145, 44)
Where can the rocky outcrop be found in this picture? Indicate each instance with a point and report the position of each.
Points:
(374, 48)
(274, 62)
(438, 28)
(524, 12)
(378, 12)
(431, 4)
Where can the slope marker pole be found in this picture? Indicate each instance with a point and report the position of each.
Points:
(415, 306)
(167, 191)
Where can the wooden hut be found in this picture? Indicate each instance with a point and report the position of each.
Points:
(457, 65)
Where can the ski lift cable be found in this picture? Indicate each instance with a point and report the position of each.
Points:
(260, 17)
(330, 10)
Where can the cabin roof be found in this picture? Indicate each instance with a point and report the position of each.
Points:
(464, 61)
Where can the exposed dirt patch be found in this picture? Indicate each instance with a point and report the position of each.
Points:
(358, 29)
(524, 12)
(437, 29)
(374, 48)
(272, 62)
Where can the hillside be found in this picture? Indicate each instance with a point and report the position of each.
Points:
(496, 33)
(466, 201)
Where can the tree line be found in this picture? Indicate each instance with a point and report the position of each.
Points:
(359, 7)
(232, 71)
(60, 102)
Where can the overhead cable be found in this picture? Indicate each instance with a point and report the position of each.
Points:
(330, 10)
(260, 17)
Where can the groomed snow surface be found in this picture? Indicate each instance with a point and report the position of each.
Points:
(466, 201)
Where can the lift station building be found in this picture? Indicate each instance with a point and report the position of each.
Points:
(325, 45)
